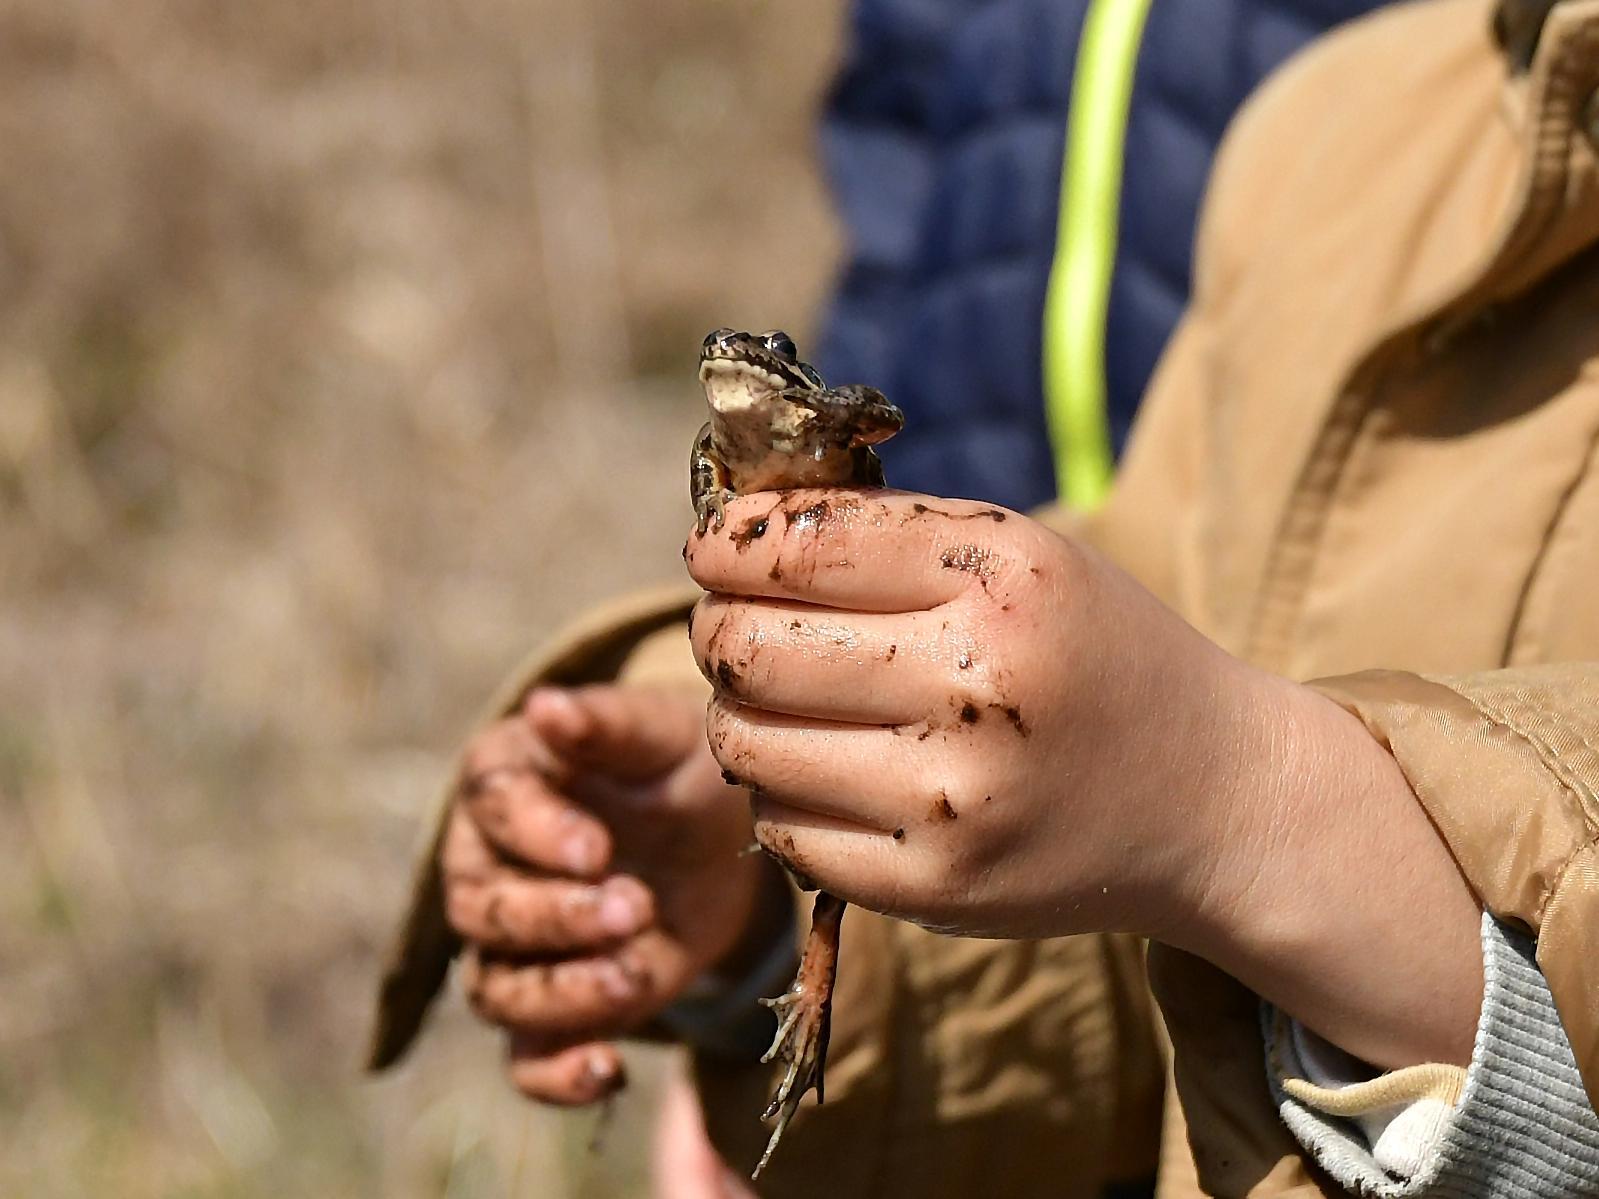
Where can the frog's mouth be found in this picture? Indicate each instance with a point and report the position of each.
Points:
(737, 385)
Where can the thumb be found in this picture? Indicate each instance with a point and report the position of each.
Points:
(632, 734)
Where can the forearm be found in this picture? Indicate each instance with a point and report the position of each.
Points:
(1335, 898)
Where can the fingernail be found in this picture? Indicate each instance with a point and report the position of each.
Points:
(600, 1066)
(620, 909)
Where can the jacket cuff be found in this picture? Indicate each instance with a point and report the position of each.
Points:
(1506, 764)
(1516, 1123)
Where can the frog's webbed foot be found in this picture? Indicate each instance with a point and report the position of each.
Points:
(804, 1013)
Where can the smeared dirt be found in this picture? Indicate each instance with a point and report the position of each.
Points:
(971, 558)
(969, 713)
(751, 530)
(1013, 714)
(816, 513)
(782, 851)
(942, 809)
(819, 513)
(993, 514)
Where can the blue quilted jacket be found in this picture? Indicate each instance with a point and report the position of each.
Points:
(943, 138)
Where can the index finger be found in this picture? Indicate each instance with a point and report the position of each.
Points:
(866, 551)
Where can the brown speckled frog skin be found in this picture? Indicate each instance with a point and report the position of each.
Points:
(775, 424)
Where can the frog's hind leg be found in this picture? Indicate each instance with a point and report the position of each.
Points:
(710, 485)
(804, 1013)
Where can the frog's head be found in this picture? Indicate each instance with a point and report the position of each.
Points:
(743, 370)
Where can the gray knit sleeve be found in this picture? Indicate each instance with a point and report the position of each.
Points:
(1522, 1125)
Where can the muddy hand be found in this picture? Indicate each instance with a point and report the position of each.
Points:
(593, 865)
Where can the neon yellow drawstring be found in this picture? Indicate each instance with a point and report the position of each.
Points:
(1085, 251)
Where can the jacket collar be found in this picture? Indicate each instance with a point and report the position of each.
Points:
(1554, 107)
(1516, 26)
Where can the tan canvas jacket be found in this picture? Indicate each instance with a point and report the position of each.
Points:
(1370, 457)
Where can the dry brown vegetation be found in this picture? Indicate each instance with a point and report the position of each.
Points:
(345, 348)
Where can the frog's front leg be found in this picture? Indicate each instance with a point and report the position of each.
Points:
(710, 483)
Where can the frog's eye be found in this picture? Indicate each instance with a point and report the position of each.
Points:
(781, 344)
(811, 377)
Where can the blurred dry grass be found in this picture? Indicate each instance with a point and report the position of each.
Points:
(345, 347)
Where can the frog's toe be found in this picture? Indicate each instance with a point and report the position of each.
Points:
(710, 510)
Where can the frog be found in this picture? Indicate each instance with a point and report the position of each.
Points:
(775, 425)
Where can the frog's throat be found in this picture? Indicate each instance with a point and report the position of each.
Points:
(732, 385)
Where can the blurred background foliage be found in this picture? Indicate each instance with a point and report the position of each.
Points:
(346, 348)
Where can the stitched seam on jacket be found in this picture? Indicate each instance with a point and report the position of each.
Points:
(1292, 557)
(1565, 867)
(1556, 108)
(1552, 530)
(1550, 760)
(1571, 780)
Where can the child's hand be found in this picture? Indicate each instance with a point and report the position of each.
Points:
(958, 717)
(954, 715)
(594, 865)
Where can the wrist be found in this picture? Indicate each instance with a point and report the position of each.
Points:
(1331, 893)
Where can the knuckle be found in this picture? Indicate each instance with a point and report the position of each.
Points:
(984, 691)
(486, 804)
(576, 986)
(510, 995)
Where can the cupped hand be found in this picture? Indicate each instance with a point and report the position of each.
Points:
(594, 864)
(952, 714)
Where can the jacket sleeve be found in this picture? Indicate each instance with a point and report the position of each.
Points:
(611, 642)
(1506, 762)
